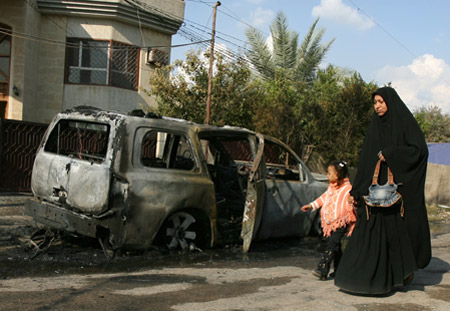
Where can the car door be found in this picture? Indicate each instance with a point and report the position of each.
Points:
(72, 168)
(254, 200)
(288, 186)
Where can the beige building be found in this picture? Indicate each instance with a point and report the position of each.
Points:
(55, 54)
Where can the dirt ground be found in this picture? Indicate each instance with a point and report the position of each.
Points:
(74, 274)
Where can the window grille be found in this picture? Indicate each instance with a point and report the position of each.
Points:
(124, 66)
(102, 63)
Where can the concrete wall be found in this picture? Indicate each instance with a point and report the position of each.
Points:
(32, 65)
(110, 97)
(105, 97)
(437, 185)
(49, 74)
(173, 8)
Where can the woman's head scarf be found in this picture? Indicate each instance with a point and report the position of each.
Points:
(398, 136)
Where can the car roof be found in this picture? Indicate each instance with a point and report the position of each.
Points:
(139, 116)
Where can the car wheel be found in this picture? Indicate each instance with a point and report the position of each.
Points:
(317, 226)
(184, 231)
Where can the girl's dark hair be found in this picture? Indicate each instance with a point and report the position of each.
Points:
(341, 169)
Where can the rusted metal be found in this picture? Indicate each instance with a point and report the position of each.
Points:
(169, 180)
(254, 198)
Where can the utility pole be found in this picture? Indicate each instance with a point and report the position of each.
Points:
(211, 63)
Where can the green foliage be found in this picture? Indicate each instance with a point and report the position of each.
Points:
(336, 111)
(308, 108)
(331, 114)
(284, 43)
(184, 94)
(287, 69)
(181, 96)
(276, 114)
(435, 125)
(311, 53)
(299, 63)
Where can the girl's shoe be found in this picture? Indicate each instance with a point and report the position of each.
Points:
(319, 275)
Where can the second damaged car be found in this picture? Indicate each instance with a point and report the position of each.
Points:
(131, 181)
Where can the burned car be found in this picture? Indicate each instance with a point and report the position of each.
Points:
(131, 181)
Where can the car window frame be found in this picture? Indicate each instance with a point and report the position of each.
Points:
(140, 134)
(302, 174)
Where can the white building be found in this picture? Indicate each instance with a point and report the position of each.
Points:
(56, 54)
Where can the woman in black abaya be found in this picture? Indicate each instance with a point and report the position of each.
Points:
(386, 248)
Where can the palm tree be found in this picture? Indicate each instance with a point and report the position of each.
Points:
(284, 55)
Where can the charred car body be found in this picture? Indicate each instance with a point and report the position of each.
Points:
(132, 180)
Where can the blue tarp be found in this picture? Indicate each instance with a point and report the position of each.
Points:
(439, 153)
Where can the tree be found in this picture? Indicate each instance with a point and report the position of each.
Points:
(276, 113)
(435, 125)
(352, 114)
(181, 91)
(287, 68)
(328, 111)
(336, 111)
(300, 63)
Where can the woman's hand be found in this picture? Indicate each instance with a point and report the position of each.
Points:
(306, 207)
(381, 156)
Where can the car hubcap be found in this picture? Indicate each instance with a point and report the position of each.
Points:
(178, 233)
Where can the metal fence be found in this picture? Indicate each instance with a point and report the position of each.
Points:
(19, 142)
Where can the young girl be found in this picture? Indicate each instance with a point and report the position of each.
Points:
(337, 215)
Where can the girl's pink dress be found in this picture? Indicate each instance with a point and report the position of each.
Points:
(336, 212)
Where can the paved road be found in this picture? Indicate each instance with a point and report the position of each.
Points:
(273, 276)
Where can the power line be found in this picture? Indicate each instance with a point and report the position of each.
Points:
(236, 17)
(383, 29)
(192, 35)
(230, 40)
(26, 36)
(392, 36)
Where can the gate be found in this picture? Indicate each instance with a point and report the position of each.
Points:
(19, 142)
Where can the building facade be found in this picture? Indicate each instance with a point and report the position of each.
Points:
(55, 54)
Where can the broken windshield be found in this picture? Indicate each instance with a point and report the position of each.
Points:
(79, 139)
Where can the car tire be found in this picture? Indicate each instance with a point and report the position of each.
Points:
(317, 226)
(186, 231)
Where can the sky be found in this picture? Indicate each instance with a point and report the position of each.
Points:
(404, 42)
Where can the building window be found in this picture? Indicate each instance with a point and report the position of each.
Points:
(102, 62)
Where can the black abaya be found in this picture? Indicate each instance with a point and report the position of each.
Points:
(387, 248)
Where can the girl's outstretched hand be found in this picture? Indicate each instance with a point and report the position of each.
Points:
(306, 207)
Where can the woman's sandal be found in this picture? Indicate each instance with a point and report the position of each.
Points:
(408, 279)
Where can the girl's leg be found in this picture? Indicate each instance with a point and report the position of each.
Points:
(333, 252)
(324, 265)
